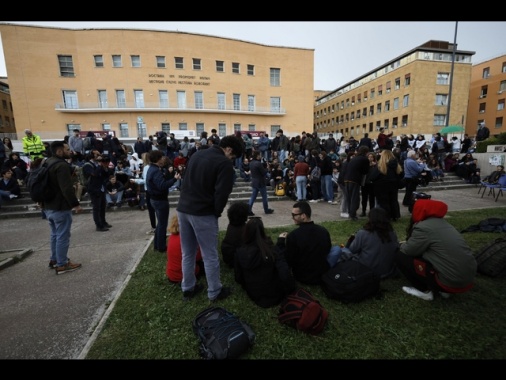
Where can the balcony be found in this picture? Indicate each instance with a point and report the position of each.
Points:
(156, 107)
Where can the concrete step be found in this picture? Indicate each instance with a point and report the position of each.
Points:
(24, 207)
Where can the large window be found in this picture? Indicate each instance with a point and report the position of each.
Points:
(222, 129)
(405, 100)
(502, 86)
(237, 102)
(120, 98)
(102, 99)
(439, 120)
(251, 70)
(251, 103)
(275, 104)
(70, 99)
(275, 77)
(99, 60)
(160, 61)
(221, 101)
(116, 60)
(443, 78)
(181, 99)
(199, 127)
(220, 66)
(199, 100)
(236, 68)
(197, 64)
(123, 129)
(163, 95)
(500, 105)
(136, 60)
(183, 126)
(179, 62)
(139, 98)
(486, 72)
(166, 128)
(441, 99)
(66, 65)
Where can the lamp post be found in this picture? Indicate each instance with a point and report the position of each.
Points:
(451, 77)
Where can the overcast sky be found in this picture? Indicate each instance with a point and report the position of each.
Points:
(343, 50)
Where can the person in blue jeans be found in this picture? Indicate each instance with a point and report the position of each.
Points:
(258, 172)
(59, 209)
(158, 188)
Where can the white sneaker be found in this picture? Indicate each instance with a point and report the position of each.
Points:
(333, 202)
(12, 196)
(345, 215)
(151, 231)
(427, 296)
(445, 295)
(313, 201)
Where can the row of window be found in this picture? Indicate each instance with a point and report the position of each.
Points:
(67, 66)
(370, 111)
(486, 71)
(484, 89)
(70, 99)
(359, 130)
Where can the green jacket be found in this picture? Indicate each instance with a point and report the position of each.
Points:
(33, 146)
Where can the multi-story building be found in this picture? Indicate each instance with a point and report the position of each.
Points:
(409, 94)
(138, 82)
(7, 124)
(487, 96)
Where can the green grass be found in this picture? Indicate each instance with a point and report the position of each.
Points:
(150, 320)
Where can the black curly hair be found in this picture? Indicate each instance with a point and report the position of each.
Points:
(238, 213)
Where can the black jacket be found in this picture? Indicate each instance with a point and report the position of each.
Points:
(60, 181)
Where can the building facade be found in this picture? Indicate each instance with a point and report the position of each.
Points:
(7, 121)
(487, 96)
(409, 94)
(138, 82)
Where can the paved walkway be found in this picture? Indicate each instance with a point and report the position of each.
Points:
(44, 316)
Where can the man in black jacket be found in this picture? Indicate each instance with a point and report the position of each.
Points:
(258, 172)
(357, 168)
(208, 182)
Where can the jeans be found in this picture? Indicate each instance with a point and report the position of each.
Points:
(162, 219)
(200, 231)
(114, 198)
(334, 255)
(327, 188)
(263, 192)
(60, 223)
(301, 183)
(151, 211)
(281, 155)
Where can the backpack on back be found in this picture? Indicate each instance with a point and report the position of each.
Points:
(222, 334)
(491, 258)
(316, 173)
(350, 281)
(303, 312)
(37, 183)
(87, 143)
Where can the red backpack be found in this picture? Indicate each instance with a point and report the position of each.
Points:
(303, 312)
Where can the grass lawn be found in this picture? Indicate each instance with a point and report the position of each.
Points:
(151, 321)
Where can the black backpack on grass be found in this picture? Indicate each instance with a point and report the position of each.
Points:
(491, 258)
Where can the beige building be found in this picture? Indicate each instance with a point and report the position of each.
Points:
(7, 124)
(487, 96)
(409, 94)
(137, 82)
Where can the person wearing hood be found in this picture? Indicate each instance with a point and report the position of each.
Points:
(435, 257)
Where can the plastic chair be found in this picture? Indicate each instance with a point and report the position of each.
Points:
(490, 186)
(502, 186)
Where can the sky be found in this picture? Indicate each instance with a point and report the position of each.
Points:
(343, 50)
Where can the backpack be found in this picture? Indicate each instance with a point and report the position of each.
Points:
(491, 258)
(37, 183)
(87, 143)
(350, 281)
(316, 173)
(280, 189)
(303, 312)
(222, 334)
(84, 178)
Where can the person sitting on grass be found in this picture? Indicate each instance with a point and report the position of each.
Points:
(435, 258)
(237, 216)
(261, 268)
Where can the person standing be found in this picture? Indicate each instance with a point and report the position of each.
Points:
(413, 167)
(264, 144)
(327, 190)
(258, 172)
(76, 145)
(58, 210)
(356, 169)
(3, 156)
(301, 173)
(209, 179)
(466, 144)
(483, 132)
(32, 145)
(158, 188)
(384, 140)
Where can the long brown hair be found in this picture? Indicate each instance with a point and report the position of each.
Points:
(254, 233)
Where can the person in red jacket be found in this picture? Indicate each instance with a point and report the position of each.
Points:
(174, 255)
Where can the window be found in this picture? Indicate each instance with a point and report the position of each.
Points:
(378, 108)
(441, 99)
(237, 102)
(102, 99)
(183, 126)
(394, 122)
(179, 62)
(388, 87)
(251, 103)
(221, 101)
(237, 127)
(66, 65)
(199, 100)
(251, 69)
(405, 120)
(500, 104)
(222, 129)
(407, 80)
(364, 112)
(397, 83)
(373, 92)
(486, 72)
(482, 107)
(200, 128)
(443, 78)
(99, 60)
(197, 65)
(498, 122)
(71, 127)
(386, 123)
(139, 98)
(405, 101)
(163, 96)
(106, 126)
(166, 127)
(4, 104)
(365, 96)
(235, 68)
(439, 120)
(275, 104)
(380, 90)
(275, 77)
(120, 98)
(503, 70)
(181, 99)
(502, 87)
(387, 105)
(483, 92)
(123, 129)
(220, 66)
(136, 60)
(116, 60)
(371, 110)
(160, 61)
(251, 127)
(70, 99)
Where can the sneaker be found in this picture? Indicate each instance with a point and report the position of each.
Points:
(333, 202)
(107, 225)
(313, 201)
(427, 296)
(344, 215)
(151, 231)
(445, 295)
(224, 293)
(269, 211)
(189, 294)
(52, 264)
(13, 196)
(69, 267)
(102, 229)
(250, 213)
